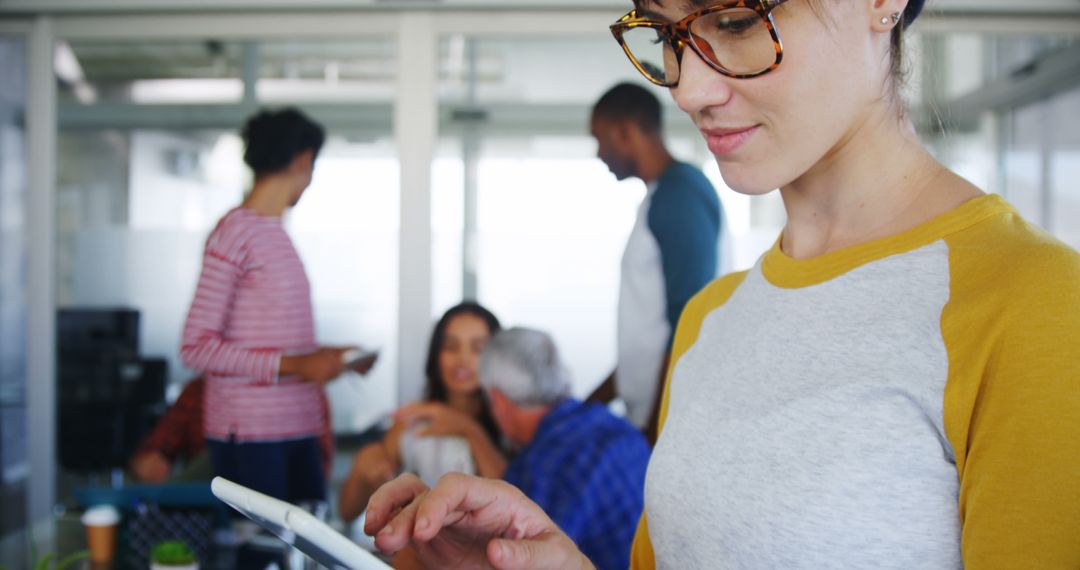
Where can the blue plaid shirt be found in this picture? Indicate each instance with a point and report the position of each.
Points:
(586, 469)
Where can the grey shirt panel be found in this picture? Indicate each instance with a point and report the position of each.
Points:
(805, 427)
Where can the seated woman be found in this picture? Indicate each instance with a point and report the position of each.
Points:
(451, 431)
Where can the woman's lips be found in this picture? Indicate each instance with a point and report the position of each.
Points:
(722, 142)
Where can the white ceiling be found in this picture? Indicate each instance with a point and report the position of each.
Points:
(91, 6)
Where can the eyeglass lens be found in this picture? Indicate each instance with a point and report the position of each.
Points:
(736, 40)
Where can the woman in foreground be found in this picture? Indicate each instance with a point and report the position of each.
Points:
(894, 384)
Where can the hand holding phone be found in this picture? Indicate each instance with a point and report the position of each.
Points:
(359, 360)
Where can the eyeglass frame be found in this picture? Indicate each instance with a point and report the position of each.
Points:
(678, 36)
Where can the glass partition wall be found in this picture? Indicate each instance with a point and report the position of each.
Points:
(14, 459)
(137, 194)
(1003, 110)
(543, 223)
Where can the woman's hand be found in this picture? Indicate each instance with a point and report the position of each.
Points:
(440, 418)
(318, 367)
(151, 467)
(468, 522)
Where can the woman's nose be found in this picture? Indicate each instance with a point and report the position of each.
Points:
(700, 86)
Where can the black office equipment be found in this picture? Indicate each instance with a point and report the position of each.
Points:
(108, 396)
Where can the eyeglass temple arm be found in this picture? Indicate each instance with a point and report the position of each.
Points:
(628, 17)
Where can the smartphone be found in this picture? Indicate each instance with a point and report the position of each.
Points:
(359, 360)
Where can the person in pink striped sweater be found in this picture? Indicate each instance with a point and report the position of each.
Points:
(250, 328)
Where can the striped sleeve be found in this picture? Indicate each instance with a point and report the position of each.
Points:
(204, 347)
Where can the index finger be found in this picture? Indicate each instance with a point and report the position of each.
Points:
(507, 510)
(390, 498)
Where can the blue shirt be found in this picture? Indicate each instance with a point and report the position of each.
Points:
(586, 469)
(685, 218)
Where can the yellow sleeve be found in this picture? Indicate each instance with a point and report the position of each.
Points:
(1012, 400)
(708, 299)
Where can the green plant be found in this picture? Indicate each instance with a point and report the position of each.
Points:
(46, 562)
(172, 552)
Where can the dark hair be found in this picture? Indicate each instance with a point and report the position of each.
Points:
(436, 388)
(630, 101)
(896, 43)
(898, 73)
(272, 139)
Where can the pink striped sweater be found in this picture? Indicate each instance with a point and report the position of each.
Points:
(252, 305)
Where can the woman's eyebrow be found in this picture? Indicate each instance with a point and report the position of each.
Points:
(642, 7)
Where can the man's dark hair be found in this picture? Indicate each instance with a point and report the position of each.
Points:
(272, 139)
(630, 102)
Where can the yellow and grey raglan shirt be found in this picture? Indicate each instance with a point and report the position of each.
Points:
(912, 402)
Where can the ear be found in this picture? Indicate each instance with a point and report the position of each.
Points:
(886, 14)
(303, 161)
(627, 130)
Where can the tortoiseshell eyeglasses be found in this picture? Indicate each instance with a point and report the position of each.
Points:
(738, 38)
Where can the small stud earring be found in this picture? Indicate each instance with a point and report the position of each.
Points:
(895, 17)
(884, 21)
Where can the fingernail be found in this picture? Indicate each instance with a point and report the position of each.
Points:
(387, 530)
(421, 524)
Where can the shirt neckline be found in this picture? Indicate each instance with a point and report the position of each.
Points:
(787, 272)
(248, 212)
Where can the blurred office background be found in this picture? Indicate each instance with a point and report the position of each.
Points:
(459, 164)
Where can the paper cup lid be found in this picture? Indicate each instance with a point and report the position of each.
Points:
(102, 515)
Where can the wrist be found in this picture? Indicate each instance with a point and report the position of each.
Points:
(288, 366)
(384, 449)
(472, 431)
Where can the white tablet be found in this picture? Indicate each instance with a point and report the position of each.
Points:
(297, 527)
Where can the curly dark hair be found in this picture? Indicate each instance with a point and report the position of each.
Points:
(272, 139)
(436, 388)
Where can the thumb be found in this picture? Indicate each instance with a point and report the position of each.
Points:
(505, 554)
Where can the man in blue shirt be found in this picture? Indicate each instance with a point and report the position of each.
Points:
(584, 466)
(671, 254)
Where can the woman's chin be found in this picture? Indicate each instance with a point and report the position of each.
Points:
(747, 181)
(751, 188)
(462, 387)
